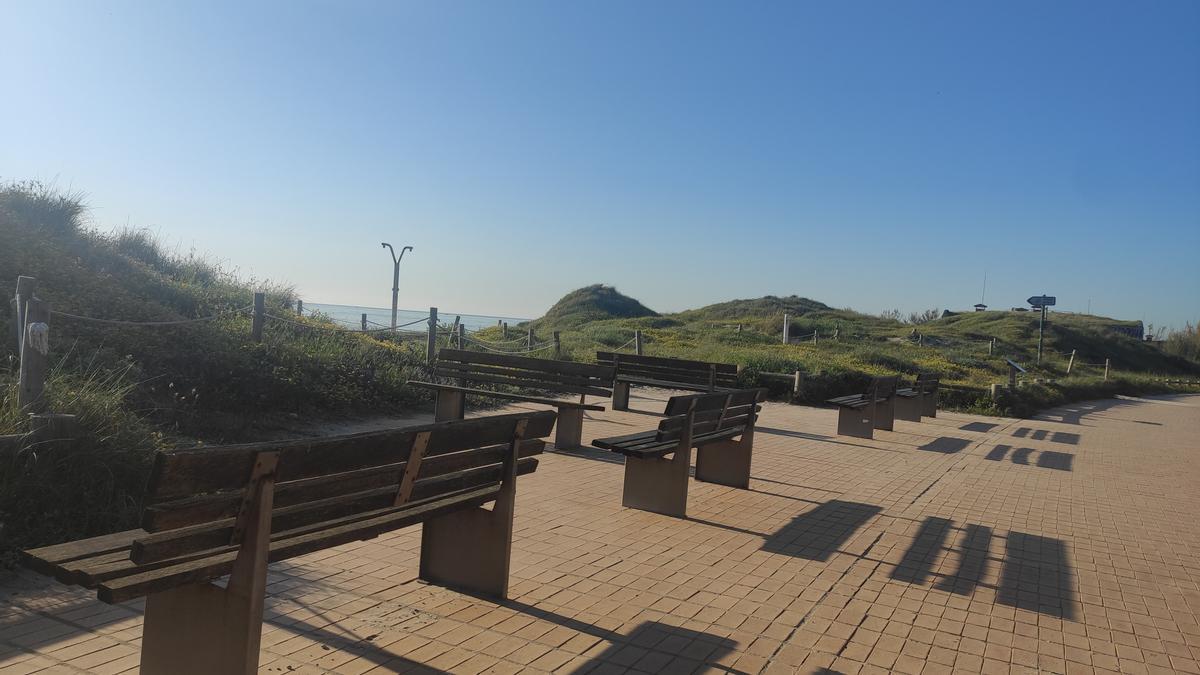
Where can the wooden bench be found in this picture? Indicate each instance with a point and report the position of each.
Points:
(918, 400)
(721, 428)
(231, 510)
(860, 414)
(522, 373)
(654, 371)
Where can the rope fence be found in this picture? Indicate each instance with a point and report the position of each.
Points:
(178, 322)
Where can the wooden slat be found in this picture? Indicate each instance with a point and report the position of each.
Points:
(522, 383)
(187, 540)
(455, 369)
(217, 506)
(183, 473)
(206, 569)
(558, 403)
(548, 365)
(634, 359)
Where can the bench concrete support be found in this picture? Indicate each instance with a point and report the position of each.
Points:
(202, 628)
(909, 408)
(885, 414)
(658, 484)
(929, 404)
(726, 462)
(856, 422)
(450, 405)
(620, 397)
(471, 549)
(569, 430)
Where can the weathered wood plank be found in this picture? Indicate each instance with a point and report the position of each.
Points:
(187, 540)
(206, 569)
(217, 506)
(183, 473)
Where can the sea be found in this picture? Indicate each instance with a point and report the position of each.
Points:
(379, 317)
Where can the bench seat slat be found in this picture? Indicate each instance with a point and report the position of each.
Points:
(542, 377)
(525, 383)
(184, 473)
(289, 545)
(504, 395)
(182, 541)
(549, 365)
(217, 506)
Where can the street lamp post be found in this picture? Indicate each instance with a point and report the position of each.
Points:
(395, 276)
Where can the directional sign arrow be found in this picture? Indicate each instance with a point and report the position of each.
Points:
(1042, 300)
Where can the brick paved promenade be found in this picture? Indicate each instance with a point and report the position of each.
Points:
(1070, 544)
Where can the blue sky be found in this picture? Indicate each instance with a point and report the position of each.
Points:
(870, 155)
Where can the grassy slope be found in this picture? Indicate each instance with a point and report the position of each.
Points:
(955, 346)
(137, 389)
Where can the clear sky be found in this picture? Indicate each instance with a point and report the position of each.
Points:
(865, 154)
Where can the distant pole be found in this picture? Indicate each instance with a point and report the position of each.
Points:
(1106, 363)
(260, 311)
(364, 322)
(1041, 333)
(1071, 363)
(637, 342)
(787, 325)
(25, 287)
(35, 356)
(431, 338)
(300, 307)
(395, 276)
(557, 345)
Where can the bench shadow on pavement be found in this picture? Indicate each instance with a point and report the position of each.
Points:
(947, 445)
(818, 533)
(1046, 459)
(1035, 573)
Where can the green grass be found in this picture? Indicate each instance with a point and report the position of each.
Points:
(137, 389)
(955, 346)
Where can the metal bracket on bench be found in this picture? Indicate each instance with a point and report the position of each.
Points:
(265, 464)
(412, 467)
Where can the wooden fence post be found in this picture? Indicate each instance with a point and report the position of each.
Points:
(25, 289)
(454, 332)
(260, 310)
(815, 333)
(637, 342)
(431, 337)
(557, 345)
(1071, 363)
(787, 327)
(796, 385)
(364, 322)
(300, 307)
(529, 337)
(504, 331)
(462, 335)
(35, 356)
(1106, 362)
(992, 347)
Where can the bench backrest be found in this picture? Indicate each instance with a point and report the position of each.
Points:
(722, 375)
(710, 413)
(524, 372)
(883, 387)
(927, 384)
(195, 496)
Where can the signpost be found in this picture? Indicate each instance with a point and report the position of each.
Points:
(1041, 302)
